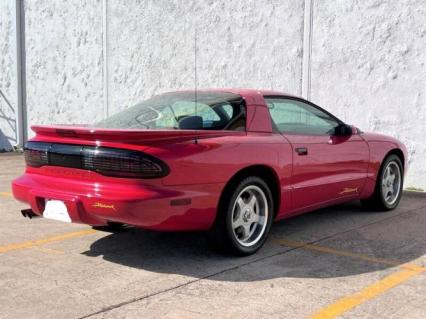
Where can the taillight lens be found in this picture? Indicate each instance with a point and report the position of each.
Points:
(36, 154)
(103, 160)
(123, 163)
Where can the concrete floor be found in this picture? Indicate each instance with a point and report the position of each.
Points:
(336, 262)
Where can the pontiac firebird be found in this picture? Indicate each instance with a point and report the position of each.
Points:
(227, 161)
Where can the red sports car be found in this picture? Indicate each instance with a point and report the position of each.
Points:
(228, 161)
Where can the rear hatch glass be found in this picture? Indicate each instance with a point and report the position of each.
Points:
(182, 110)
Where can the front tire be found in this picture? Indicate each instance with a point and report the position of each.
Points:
(244, 218)
(389, 184)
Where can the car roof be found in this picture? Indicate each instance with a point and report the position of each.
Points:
(243, 91)
(251, 95)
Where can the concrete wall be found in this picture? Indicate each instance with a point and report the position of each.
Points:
(239, 43)
(7, 76)
(367, 57)
(64, 61)
(368, 67)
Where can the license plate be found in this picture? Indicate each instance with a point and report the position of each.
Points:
(57, 210)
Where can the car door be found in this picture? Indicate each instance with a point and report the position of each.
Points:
(326, 167)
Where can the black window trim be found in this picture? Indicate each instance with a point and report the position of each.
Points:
(298, 99)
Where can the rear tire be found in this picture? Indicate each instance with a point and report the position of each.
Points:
(244, 218)
(389, 184)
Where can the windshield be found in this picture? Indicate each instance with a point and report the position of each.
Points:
(182, 110)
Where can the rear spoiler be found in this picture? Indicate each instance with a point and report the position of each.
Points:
(126, 135)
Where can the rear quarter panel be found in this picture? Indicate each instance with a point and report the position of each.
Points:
(217, 160)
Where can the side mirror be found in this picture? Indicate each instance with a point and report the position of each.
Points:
(343, 130)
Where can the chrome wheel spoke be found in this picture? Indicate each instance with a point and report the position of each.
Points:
(238, 222)
(241, 204)
(252, 202)
(255, 218)
(387, 171)
(246, 231)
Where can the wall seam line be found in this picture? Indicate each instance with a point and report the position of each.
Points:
(105, 56)
(307, 49)
(21, 98)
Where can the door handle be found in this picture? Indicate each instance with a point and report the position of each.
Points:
(301, 150)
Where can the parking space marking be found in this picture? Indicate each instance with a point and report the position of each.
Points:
(313, 247)
(51, 239)
(347, 303)
(6, 194)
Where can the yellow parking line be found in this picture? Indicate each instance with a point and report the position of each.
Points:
(347, 303)
(7, 194)
(306, 246)
(51, 239)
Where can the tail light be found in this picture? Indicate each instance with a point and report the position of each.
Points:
(36, 154)
(103, 160)
(119, 163)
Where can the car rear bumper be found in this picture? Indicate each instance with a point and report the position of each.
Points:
(189, 207)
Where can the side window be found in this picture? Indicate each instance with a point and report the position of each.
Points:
(291, 116)
(228, 109)
(209, 116)
(186, 108)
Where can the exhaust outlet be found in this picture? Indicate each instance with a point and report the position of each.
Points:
(28, 213)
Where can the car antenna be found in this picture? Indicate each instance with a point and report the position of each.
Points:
(195, 69)
(195, 76)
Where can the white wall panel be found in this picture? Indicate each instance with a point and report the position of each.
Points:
(255, 44)
(368, 67)
(64, 61)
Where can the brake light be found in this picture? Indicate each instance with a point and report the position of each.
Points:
(120, 163)
(36, 155)
(103, 160)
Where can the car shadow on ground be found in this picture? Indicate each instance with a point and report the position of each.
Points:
(398, 235)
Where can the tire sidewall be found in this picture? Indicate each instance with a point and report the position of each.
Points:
(230, 205)
(396, 159)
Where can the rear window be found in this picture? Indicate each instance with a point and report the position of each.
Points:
(183, 110)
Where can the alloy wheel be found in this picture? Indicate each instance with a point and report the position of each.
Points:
(391, 182)
(250, 215)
